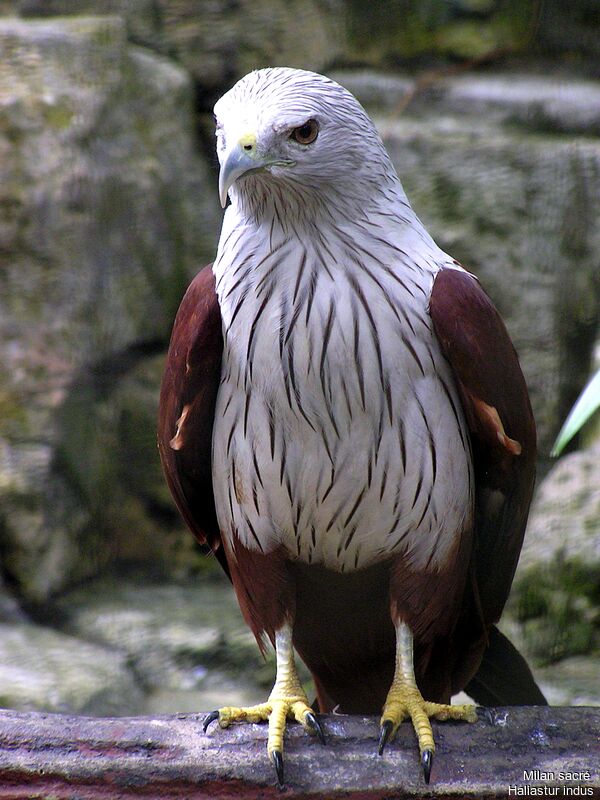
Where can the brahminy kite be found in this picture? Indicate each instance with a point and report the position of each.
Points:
(344, 422)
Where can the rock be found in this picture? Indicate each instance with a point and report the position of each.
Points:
(125, 645)
(565, 519)
(571, 682)
(383, 34)
(218, 42)
(516, 203)
(41, 669)
(141, 16)
(170, 758)
(186, 642)
(103, 220)
(554, 599)
(215, 690)
(10, 610)
(36, 547)
(534, 102)
(165, 647)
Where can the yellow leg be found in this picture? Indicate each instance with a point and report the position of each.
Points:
(405, 701)
(287, 700)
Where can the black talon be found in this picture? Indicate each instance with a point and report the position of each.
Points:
(315, 726)
(209, 718)
(277, 757)
(486, 714)
(426, 762)
(386, 732)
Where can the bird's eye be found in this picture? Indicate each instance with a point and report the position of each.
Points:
(307, 133)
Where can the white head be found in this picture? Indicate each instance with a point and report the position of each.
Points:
(298, 138)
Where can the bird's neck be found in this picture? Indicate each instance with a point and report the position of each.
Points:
(265, 200)
(268, 217)
(280, 262)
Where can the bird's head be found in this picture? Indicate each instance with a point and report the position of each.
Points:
(299, 137)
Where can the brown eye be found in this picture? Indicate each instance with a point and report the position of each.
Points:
(307, 133)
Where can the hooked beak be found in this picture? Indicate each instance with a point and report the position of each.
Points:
(241, 158)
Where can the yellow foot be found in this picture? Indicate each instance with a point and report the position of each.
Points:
(276, 710)
(405, 701)
(286, 701)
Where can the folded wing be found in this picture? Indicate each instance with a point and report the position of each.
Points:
(476, 344)
(187, 407)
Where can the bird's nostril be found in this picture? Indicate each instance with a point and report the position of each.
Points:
(247, 147)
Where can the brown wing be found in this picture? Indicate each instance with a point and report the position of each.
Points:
(475, 342)
(187, 407)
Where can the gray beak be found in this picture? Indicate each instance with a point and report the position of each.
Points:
(241, 158)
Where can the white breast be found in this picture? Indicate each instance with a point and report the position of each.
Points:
(338, 429)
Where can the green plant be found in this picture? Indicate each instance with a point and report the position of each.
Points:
(586, 405)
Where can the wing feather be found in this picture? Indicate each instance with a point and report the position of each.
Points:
(187, 407)
(495, 400)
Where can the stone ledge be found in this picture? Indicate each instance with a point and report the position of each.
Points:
(64, 757)
(535, 103)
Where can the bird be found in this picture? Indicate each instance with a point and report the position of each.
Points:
(344, 423)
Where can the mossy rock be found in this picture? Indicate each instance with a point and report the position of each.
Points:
(217, 42)
(106, 217)
(558, 608)
(401, 30)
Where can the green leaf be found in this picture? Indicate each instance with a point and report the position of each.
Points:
(587, 403)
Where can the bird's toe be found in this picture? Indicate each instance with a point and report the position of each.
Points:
(313, 725)
(386, 731)
(426, 762)
(277, 759)
(212, 717)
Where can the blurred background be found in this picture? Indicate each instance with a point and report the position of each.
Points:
(108, 207)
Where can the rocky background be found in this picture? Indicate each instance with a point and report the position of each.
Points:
(108, 207)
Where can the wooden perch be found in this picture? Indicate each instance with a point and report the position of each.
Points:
(80, 758)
